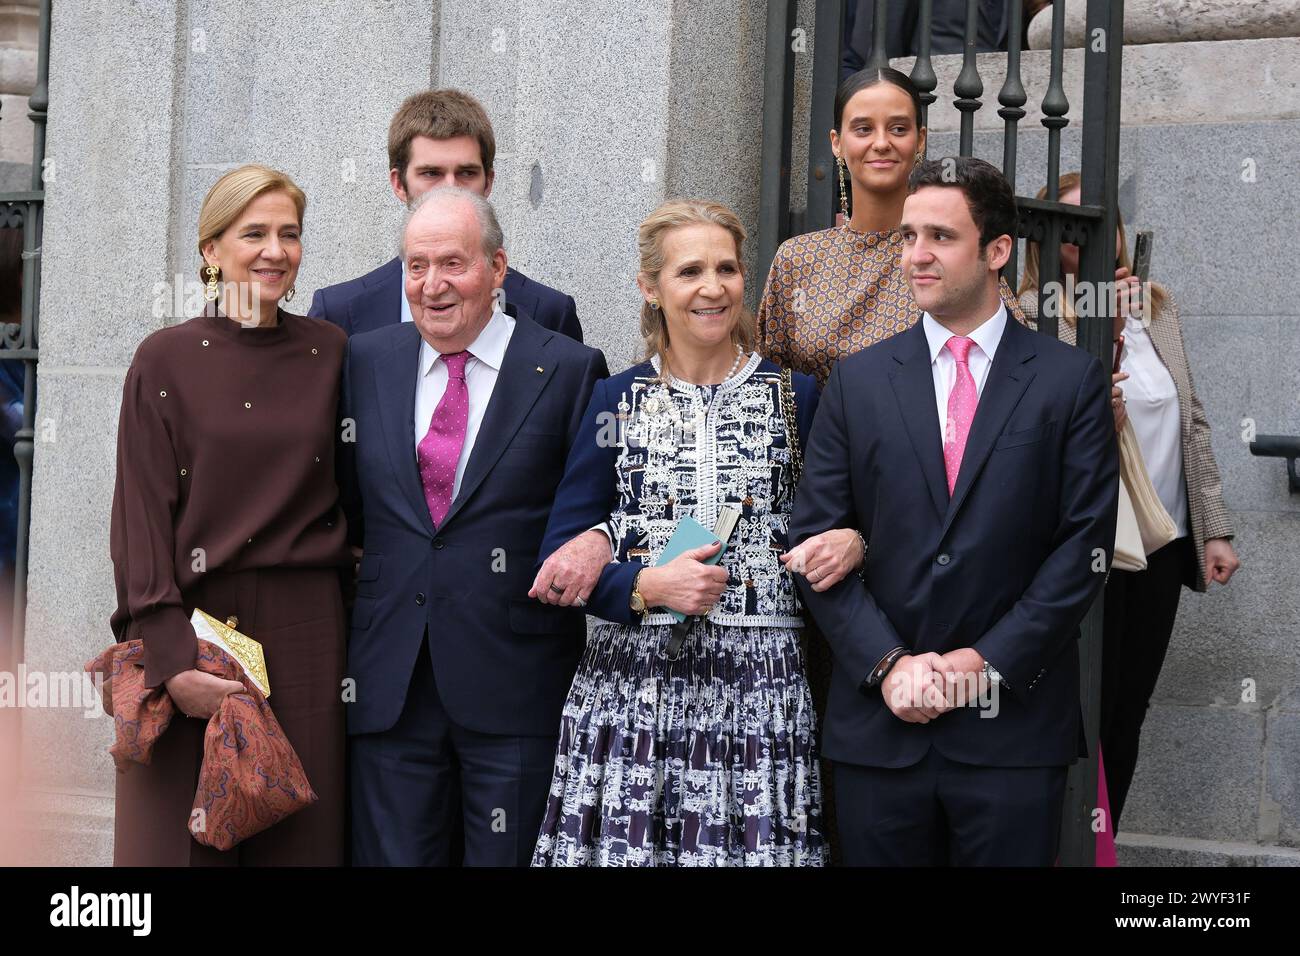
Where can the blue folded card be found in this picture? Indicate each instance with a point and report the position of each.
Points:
(691, 534)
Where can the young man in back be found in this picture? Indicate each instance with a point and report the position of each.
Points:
(437, 138)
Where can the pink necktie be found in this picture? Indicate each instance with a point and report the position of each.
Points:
(961, 408)
(439, 450)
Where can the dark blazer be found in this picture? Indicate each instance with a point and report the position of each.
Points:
(1008, 565)
(503, 662)
(373, 301)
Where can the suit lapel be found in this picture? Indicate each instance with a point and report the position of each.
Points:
(1007, 380)
(395, 381)
(913, 382)
(519, 383)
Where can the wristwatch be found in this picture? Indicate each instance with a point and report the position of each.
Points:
(637, 602)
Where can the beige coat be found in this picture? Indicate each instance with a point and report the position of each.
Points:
(1207, 513)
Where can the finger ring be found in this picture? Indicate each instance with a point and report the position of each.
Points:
(555, 589)
(580, 602)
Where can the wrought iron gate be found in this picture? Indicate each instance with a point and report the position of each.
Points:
(25, 210)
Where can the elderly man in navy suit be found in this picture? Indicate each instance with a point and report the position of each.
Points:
(437, 138)
(455, 434)
(978, 460)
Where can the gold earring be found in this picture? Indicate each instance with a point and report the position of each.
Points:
(654, 304)
(844, 193)
(210, 290)
(288, 296)
(918, 156)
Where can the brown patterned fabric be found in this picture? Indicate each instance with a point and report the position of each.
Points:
(835, 292)
(251, 778)
(1205, 505)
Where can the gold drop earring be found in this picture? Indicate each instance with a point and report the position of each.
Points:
(844, 193)
(210, 290)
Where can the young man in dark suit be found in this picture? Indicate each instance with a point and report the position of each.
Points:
(460, 422)
(978, 460)
(437, 138)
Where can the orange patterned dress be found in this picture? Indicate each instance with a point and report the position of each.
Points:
(834, 292)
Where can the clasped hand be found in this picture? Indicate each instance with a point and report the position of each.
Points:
(921, 687)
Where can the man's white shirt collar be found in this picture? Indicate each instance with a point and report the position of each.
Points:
(987, 336)
(489, 348)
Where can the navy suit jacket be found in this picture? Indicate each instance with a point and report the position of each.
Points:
(1008, 565)
(373, 301)
(503, 662)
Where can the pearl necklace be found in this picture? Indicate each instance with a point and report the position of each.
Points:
(740, 354)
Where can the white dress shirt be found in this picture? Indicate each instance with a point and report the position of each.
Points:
(1152, 403)
(979, 358)
(488, 351)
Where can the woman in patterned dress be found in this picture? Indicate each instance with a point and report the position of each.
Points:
(704, 757)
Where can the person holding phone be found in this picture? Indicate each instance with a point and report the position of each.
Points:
(1154, 383)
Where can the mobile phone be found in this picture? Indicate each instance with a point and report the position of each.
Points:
(1142, 256)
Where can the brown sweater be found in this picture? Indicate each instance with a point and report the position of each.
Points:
(225, 462)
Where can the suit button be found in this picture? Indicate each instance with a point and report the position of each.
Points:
(943, 559)
(419, 599)
(439, 544)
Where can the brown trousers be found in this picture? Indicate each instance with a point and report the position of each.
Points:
(298, 616)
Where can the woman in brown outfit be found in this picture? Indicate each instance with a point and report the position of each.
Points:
(226, 501)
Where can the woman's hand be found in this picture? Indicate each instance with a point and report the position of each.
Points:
(569, 575)
(197, 694)
(685, 584)
(1128, 297)
(826, 558)
(1117, 401)
(1221, 561)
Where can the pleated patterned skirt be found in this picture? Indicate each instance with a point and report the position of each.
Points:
(708, 760)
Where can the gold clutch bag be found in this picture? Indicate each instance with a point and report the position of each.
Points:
(246, 651)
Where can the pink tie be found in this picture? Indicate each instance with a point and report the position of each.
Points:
(961, 408)
(439, 450)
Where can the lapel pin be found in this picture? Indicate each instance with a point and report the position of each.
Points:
(540, 369)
